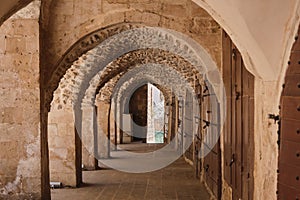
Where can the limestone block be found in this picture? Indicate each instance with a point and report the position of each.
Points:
(2, 44)
(115, 18)
(9, 150)
(148, 6)
(32, 44)
(52, 130)
(178, 24)
(13, 115)
(197, 11)
(25, 27)
(15, 45)
(8, 131)
(174, 10)
(109, 7)
(66, 7)
(7, 164)
(140, 1)
(34, 184)
(150, 19)
(59, 153)
(117, 1)
(60, 116)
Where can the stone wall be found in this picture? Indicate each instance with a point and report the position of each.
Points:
(62, 152)
(71, 20)
(23, 169)
(88, 135)
(102, 133)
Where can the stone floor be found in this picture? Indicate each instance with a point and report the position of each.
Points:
(176, 181)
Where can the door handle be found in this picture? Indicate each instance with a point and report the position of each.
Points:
(206, 168)
(232, 160)
(238, 94)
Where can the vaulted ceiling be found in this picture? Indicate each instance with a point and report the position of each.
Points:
(261, 29)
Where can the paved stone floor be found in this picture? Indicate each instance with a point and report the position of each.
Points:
(177, 181)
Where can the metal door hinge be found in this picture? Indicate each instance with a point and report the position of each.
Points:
(276, 118)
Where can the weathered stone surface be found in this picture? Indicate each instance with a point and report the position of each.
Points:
(133, 60)
(88, 136)
(22, 163)
(177, 23)
(65, 23)
(102, 121)
(62, 148)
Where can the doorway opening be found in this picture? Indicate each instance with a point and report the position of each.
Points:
(147, 110)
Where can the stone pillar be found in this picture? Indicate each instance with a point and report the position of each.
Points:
(170, 122)
(102, 121)
(23, 175)
(89, 132)
(265, 139)
(118, 122)
(113, 137)
(62, 147)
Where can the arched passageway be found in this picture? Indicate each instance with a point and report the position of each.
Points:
(73, 54)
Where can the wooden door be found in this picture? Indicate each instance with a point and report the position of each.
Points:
(289, 153)
(211, 130)
(239, 124)
(198, 135)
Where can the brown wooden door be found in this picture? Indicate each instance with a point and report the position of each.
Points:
(198, 136)
(239, 124)
(289, 153)
(211, 131)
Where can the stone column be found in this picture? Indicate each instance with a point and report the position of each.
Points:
(113, 135)
(170, 122)
(23, 155)
(89, 132)
(62, 147)
(102, 121)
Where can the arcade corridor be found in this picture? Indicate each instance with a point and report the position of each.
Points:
(150, 99)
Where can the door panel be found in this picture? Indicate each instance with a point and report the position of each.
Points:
(227, 53)
(198, 136)
(290, 176)
(292, 85)
(288, 193)
(294, 64)
(291, 130)
(212, 162)
(239, 124)
(291, 107)
(289, 153)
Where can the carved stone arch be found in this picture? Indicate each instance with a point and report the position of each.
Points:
(155, 72)
(128, 88)
(76, 53)
(162, 76)
(135, 59)
(167, 39)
